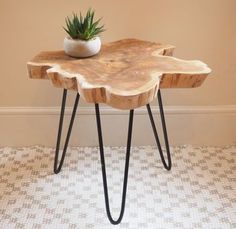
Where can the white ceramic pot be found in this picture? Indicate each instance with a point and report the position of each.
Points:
(81, 48)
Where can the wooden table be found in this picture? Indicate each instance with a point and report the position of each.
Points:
(126, 74)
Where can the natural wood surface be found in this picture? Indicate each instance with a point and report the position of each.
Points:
(125, 74)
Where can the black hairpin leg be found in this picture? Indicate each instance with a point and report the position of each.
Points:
(131, 114)
(57, 168)
(166, 165)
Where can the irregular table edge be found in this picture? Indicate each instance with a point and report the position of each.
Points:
(102, 94)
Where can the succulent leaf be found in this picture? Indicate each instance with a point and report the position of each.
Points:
(84, 28)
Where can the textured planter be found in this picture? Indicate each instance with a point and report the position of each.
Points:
(81, 48)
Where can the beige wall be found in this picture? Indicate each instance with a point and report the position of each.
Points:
(203, 29)
(200, 29)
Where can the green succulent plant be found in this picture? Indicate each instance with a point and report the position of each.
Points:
(83, 28)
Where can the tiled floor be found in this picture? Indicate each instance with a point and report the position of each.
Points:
(199, 191)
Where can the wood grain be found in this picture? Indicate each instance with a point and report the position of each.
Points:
(125, 74)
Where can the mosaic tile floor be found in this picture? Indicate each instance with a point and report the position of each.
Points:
(199, 191)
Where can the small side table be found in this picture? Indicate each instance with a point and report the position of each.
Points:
(126, 74)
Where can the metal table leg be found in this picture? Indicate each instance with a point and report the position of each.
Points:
(104, 177)
(57, 168)
(166, 165)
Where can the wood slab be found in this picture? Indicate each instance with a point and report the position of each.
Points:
(126, 74)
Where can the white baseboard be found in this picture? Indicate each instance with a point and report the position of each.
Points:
(110, 111)
(196, 125)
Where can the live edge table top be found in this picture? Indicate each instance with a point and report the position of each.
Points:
(126, 74)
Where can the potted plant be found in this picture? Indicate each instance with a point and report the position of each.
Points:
(83, 40)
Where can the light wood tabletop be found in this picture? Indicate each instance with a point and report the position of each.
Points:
(126, 74)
